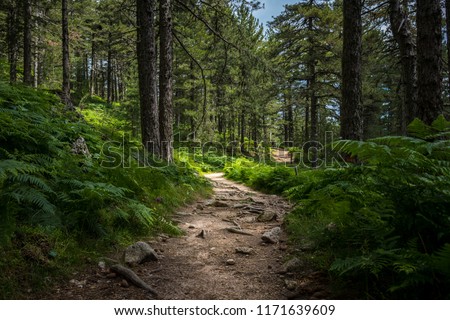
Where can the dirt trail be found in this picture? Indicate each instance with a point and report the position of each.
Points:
(196, 267)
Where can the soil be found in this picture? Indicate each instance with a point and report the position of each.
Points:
(204, 263)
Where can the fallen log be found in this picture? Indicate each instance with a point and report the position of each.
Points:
(129, 275)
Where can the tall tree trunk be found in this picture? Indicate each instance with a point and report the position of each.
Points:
(165, 80)
(146, 49)
(12, 35)
(27, 76)
(429, 55)
(313, 96)
(66, 58)
(447, 20)
(109, 70)
(93, 78)
(401, 29)
(351, 109)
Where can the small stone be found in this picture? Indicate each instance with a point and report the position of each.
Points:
(111, 275)
(267, 216)
(291, 285)
(294, 264)
(202, 234)
(124, 284)
(272, 236)
(200, 207)
(139, 252)
(191, 226)
(283, 247)
(102, 265)
(244, 250)
(231, 262)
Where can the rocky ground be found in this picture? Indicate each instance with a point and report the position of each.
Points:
(234, 247)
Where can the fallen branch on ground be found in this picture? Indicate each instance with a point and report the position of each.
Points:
(237, 231)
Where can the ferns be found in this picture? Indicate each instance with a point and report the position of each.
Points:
(389, 213)
(43, 183)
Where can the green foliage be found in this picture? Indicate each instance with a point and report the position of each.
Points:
(47, 189)
(383, 222)
(260, 176)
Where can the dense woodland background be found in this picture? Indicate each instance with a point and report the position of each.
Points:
(92, 92)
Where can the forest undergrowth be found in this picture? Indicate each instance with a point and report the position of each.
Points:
(63, 201)
(379, 225)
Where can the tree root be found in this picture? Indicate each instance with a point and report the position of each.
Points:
(237, 231)
(129, 274)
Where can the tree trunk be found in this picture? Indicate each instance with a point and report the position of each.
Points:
(12, 40)
(146, 49)
(66, 58)
(312, 88)
(447, 16)
(109, 69)
(165, 80)
(401, 29)
(429, 55)
(351, 109)
(27, 76)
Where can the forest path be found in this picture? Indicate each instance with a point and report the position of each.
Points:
(210, 267)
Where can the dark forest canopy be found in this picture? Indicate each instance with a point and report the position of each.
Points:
(233, 81)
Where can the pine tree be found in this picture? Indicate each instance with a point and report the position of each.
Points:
(351, 109)
(429, 56)
(165, 80)
(146, 52)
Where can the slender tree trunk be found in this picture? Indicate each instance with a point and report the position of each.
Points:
(307, 123)
(93, 77)
(351, 109)
(429, 55)
(447, 19)
(313, 139)
(401, 28)
(27, 76)
(146, 49)
(109, 71)
(12, 34)
(165, 80)
(66, 58)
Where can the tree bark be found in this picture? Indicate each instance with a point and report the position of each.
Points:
(401, 29)
(313, 139)
(165, 80)
(447, 20)
(146, 49)
(429, 55)
(109, 70)
(66, 58)
(12, 34)
(92, 85)
(27, 76)
(351, 109)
